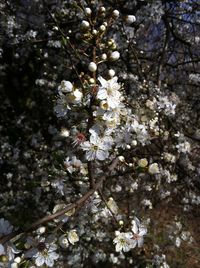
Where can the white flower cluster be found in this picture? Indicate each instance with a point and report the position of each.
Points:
(166, 105)
(183, 145)
(125, 241)
(71, 237)
(72, 164)
(107, 118)
(68, 95)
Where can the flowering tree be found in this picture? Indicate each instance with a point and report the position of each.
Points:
(87, 191)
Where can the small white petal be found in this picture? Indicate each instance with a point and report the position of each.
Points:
(134, 227)
(39, 261)
(49, 262)
(142, 231)
(2, 250)
(102, 94)
(140, 242)
(118, 247)
(102, 155)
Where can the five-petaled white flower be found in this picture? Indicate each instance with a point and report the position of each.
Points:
(109, 91)
(46, 256)
(73, 237)
(123, 241)
(43, 251)
(97, 148)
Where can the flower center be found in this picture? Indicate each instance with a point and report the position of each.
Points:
(41, 246)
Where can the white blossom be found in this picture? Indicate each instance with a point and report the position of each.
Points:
(47, 256)
(63, 241)
(65, 87)
(142, 162)
(109, 91)
(97, 148)
(73, 237)
(43, 251)
(153, 169)
(124, 241)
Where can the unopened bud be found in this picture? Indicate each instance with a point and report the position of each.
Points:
(102, 9)
(85, 24)
(88, 11)
(115, 13)
(111, 73)
(130, 19)
(94, 32)
(121, 158)
(102, 28)
(134, 142)
(114, 55)
(92, 67)
(104, 56)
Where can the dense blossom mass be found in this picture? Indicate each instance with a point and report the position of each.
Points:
(99, 152)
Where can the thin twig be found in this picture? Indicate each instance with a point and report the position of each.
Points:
(77, 204)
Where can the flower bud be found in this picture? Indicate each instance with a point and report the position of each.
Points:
(142, 162)
(92, 67)
(153, 169)
(114, 55)
(17, 260)
(102, 9)
(85, 24)
(121, 158)
(134, 142)
(110, 43)
(94, 32)
(102, 28)
(104, 56)
(111, 73)
(41, 230)
(92, 81)
(115, 13)
(130, 19)
(88, 11)
(114, 46)
(65, 132)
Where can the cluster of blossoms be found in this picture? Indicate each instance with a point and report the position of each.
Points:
(107, 118)
(119, 147)
(128, 240)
